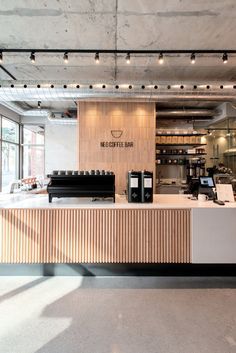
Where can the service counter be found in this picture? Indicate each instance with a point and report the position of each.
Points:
(172, 229)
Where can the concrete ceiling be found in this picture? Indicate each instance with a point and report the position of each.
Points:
(118, 24)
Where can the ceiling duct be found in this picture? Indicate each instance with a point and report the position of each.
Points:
(68, 117)
(25, 91)
(191, 113)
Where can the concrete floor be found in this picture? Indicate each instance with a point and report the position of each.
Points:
(117, 315)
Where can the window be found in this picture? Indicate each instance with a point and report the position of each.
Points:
(10, 149)
(33, 151)
(10, 131)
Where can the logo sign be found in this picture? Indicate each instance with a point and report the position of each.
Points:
(113, 144)
(116, 133)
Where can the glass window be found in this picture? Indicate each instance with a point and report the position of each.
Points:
(9, 150)
(33, 161)
(10, 163)
(33, 151)
(33, 135)
(10, 131)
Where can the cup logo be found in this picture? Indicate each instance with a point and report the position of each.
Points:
(116, 133)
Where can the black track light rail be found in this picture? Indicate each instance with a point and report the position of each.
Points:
(120, 51)
(7, 72)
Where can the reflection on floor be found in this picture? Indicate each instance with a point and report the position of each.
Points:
(117, 315)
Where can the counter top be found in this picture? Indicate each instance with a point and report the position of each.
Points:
(24, 200)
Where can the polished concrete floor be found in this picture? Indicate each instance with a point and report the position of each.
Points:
(117, 315)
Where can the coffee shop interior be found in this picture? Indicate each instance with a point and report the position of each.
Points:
(118, 176)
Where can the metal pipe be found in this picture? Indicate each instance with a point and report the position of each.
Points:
(186, 112)
(54, 94)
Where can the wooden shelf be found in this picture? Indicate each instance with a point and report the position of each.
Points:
(179, 154)
(181, 144)
(172, 164)
(180, 135)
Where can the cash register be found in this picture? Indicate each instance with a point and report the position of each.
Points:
(202, 185)
(206, 185)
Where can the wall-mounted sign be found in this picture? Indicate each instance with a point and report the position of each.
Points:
(113, 144)
(116, 144)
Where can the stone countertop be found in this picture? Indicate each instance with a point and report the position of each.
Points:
(28, 201)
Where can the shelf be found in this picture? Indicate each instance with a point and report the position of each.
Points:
(171, 164)
(181, 144)
(183, 154)
(180, 135)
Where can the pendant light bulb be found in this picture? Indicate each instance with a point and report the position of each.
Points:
(127, 58)
(39, 104)
(97, 58)
(193, 58)
(32, 57)
(66, 58)
(161, 59)
(225, 58)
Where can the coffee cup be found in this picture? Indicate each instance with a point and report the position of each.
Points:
(202, 197)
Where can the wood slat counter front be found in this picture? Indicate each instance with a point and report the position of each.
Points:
(82, 231)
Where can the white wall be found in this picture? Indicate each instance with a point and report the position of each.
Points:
(60, 147)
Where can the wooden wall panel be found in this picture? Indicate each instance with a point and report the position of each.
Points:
(136, 120)
(95, 236)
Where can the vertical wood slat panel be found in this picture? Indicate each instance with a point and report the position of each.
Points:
(95, 236)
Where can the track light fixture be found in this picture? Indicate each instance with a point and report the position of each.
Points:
(96, 58)
(225, 58)
(193, 58)
(127, 58)
(128, 53)
(32, 57)
(65, 57)
(161, 59)
(39, 104)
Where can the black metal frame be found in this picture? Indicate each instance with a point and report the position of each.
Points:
(119, 51)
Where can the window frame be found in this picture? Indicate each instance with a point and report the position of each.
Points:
(17, 144)
(32, 145)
